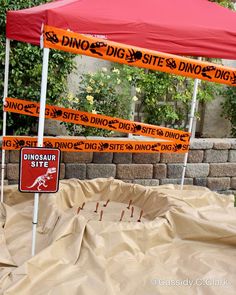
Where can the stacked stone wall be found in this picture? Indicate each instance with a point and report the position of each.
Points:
(211, 163)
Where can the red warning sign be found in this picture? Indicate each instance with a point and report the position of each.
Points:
(39, 170)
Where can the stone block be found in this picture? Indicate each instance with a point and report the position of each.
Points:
(146, 182)
(222, 169)
(5, 171)
(218, 184)
(232, 156)
(197, 170)
(127, 180)
(62, 171)
(134, 171)
(172, 158)
(78, 157)
(187, 181)
(174, 170)
(102, 158)
(201, 144)
(233, 145)
(122, 158)
(192, 170)
(159, 171)
(101, 170)
(10, 182)
(75, 171)
(151, 158)
(6, 156)
(221, 145)
(195, 156)
(216, 156)
(12, 171)
(233, 183)
(199, 181)
(14, 157)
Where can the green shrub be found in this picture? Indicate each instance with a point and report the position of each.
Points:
(229, 105)
(166, 99)
(105, 92)
(25, 71)
(225, 3)
(229, 108)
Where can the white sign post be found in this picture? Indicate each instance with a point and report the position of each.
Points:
(40, 136)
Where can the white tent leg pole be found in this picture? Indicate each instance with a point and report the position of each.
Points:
(193, 132)
(40, 136)
(132, 92)
(5, 94)
(192, 113)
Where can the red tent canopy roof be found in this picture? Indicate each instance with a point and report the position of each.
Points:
(184, 27)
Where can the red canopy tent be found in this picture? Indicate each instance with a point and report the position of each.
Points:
(184, 27)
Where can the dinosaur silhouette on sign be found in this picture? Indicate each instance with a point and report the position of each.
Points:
(42, 179)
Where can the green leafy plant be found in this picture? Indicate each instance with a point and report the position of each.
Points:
(105, 92)
(225, 3)
(229, 105)
(25, 71)
(229, 108)
(166, 99)
(163, 98)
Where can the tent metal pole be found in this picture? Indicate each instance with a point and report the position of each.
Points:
(193, 132)
(190, 127)
(5, 94)
(132, 92)
(40, 136)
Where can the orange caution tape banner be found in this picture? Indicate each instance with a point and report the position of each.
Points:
(126, 54)
(104, 145)
(94, 120)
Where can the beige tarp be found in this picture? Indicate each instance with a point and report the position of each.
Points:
(184, 244)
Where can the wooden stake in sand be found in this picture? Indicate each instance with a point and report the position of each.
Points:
(78, 210)
(122, 215)
(132, 212)
(82, 207)
(140, 216)
(130, 202)
(101, 214)
(96, 210)
(106, 203)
